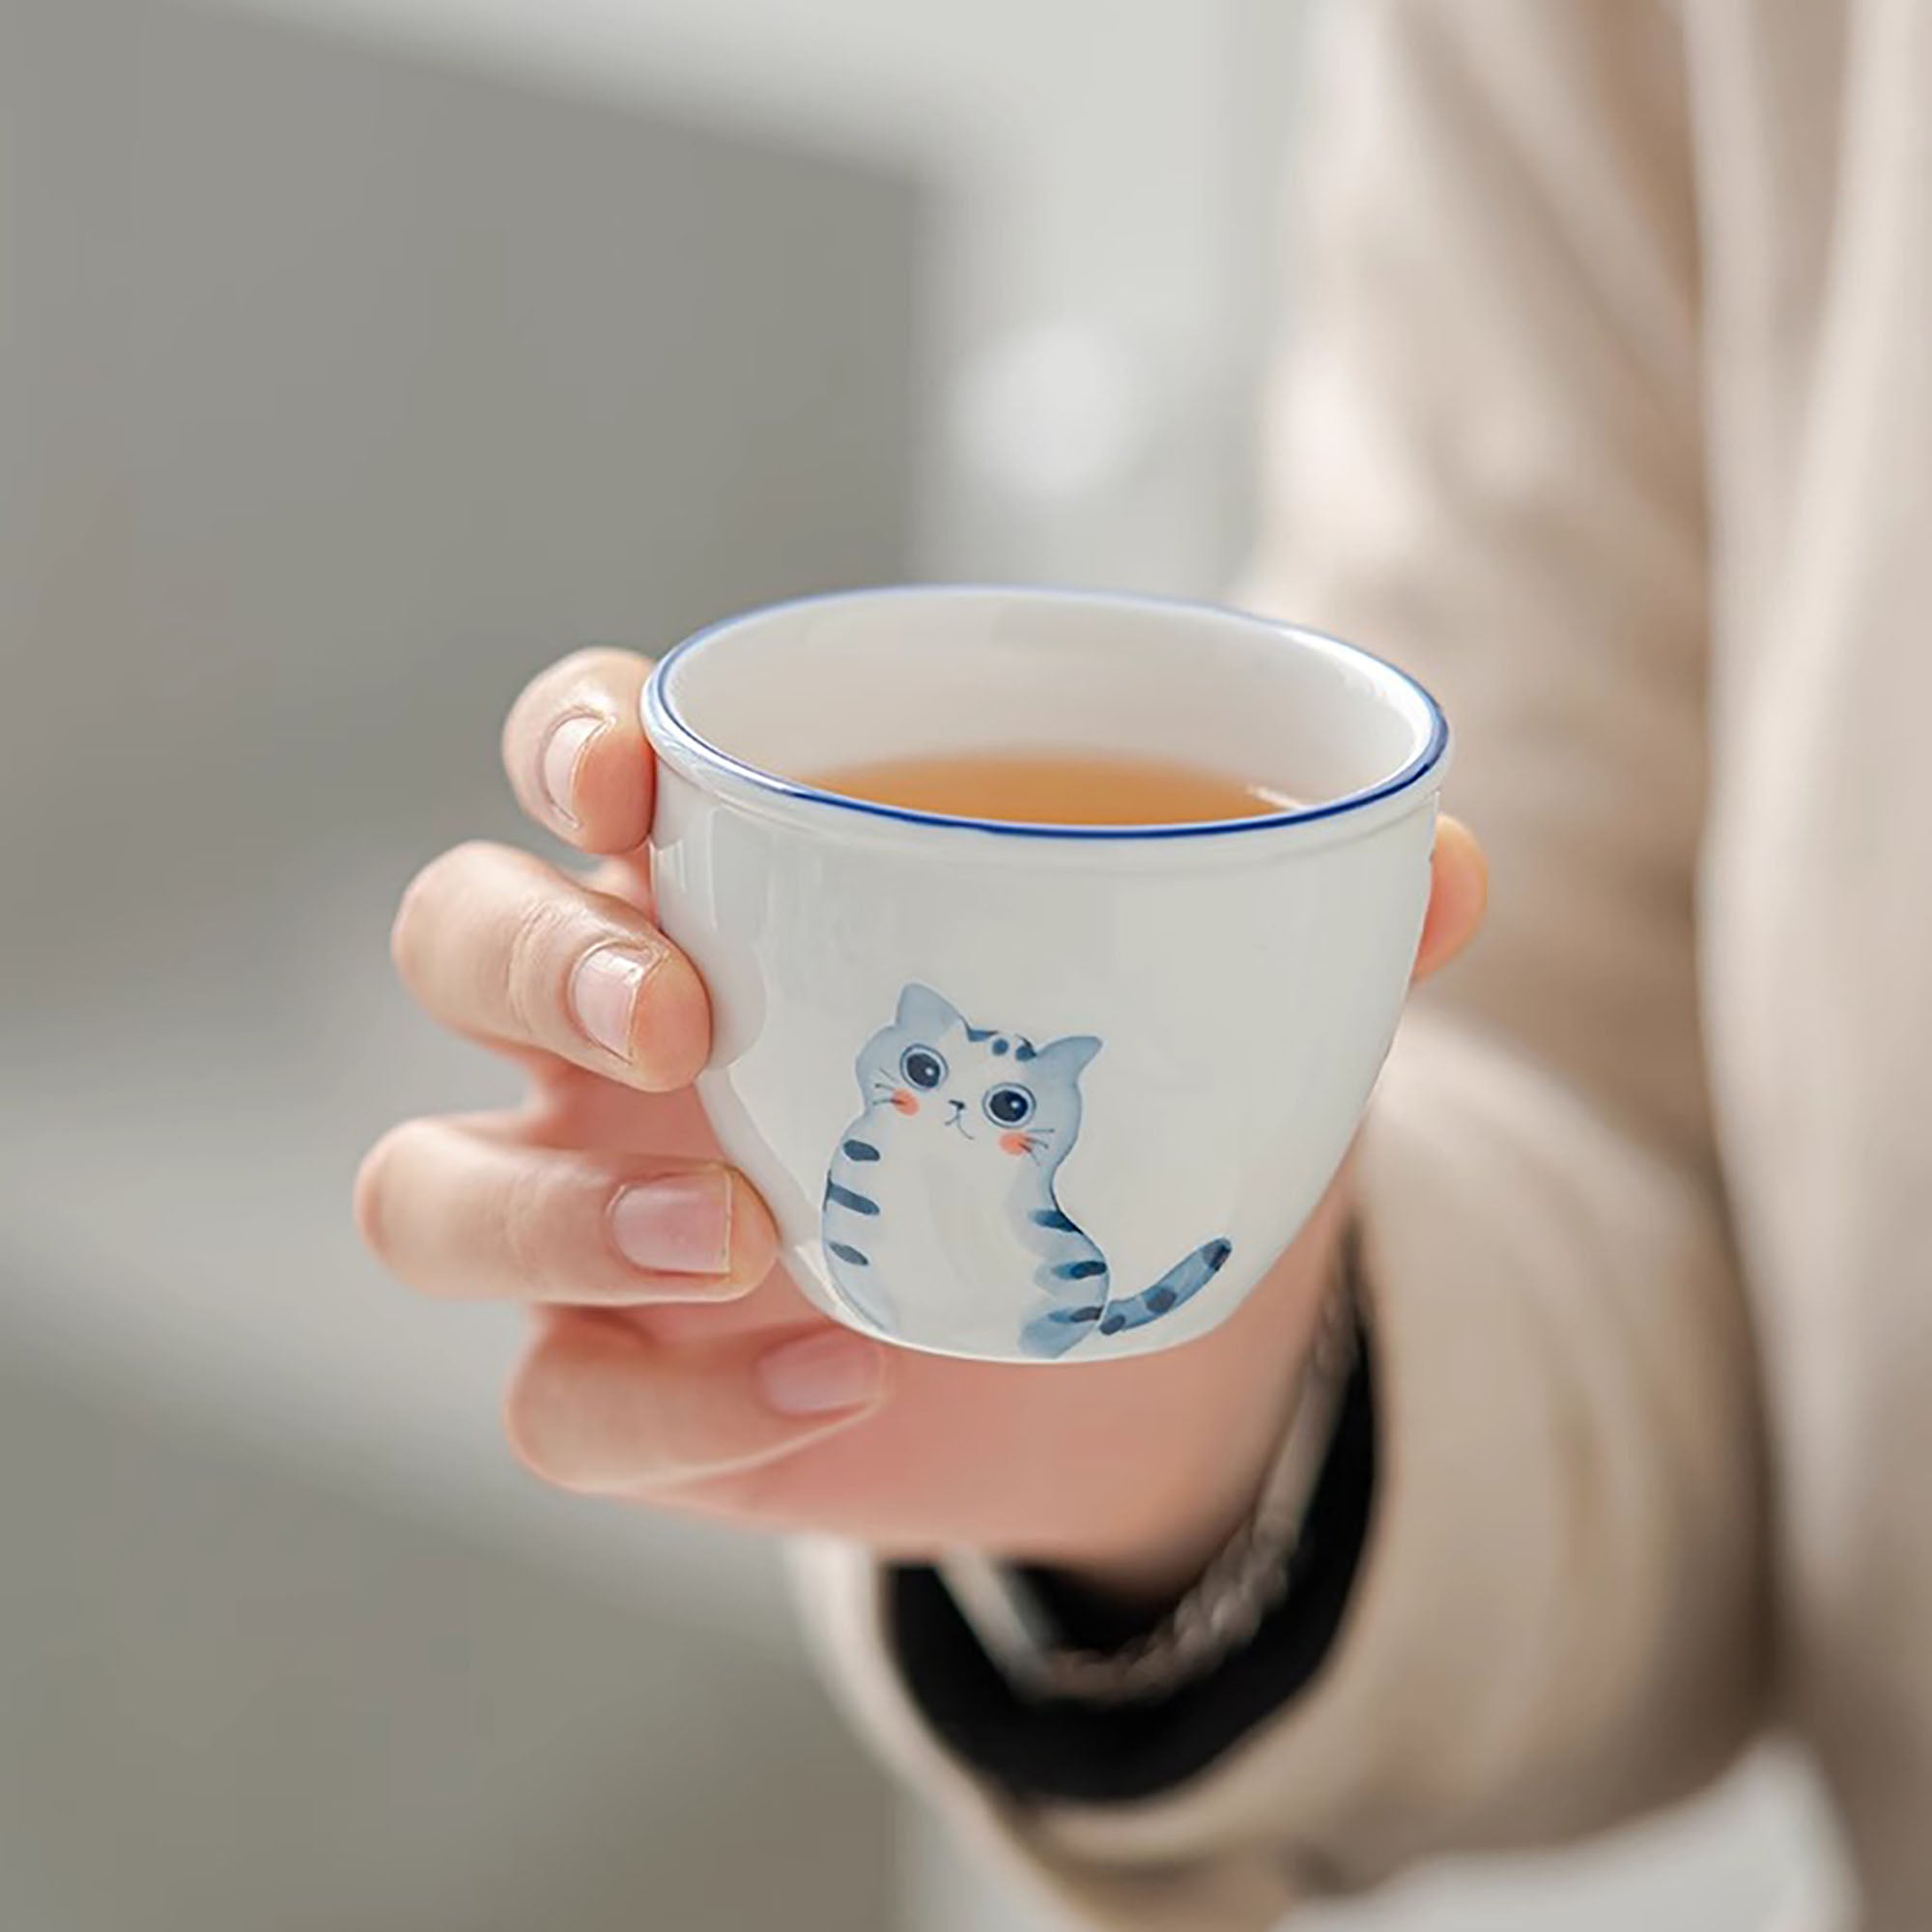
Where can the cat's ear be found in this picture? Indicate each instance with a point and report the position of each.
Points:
(923, 1012)
(1072, 1053)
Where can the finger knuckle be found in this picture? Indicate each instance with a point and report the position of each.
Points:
(526, 1225)
(536, 958)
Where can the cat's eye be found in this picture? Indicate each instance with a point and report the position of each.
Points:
(1009, 1106)
(922, 1066)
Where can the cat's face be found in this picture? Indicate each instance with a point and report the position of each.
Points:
(993, 1095)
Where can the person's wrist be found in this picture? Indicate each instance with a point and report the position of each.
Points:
(1053, 1638)
(1155, 1558)
(1149, 1573)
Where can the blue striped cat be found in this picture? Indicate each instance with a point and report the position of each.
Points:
(943, 1187)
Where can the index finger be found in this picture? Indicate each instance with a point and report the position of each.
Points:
(575, 750)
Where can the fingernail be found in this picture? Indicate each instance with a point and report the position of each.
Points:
(562, 752)
(678, 1225)
(822, 1373)
(604, 994)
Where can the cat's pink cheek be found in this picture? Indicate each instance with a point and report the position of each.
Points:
(904, 1102)
(1014, 1143)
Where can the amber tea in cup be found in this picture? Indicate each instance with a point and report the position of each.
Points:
(1048, 788)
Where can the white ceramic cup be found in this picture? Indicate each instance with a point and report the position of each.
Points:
(1027, 1093)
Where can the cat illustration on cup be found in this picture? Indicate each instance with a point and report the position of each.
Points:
(943, 1188)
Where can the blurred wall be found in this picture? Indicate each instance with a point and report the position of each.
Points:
(1102, 291)
(341, 388)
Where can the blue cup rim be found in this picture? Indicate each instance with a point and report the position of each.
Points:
(668, 730)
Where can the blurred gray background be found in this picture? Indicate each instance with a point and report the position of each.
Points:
(354, 359)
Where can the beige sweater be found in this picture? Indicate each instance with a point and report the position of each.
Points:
(1610, 414)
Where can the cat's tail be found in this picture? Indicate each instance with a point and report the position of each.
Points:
(1055, 1332)
(1182, 1281)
